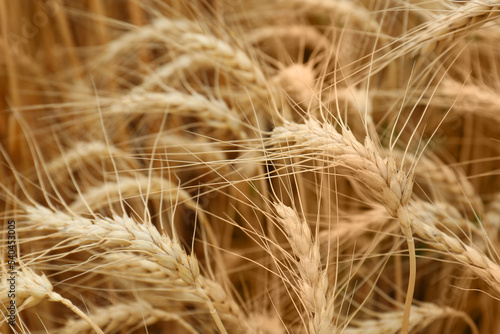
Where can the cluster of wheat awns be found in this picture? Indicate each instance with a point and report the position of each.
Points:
(277, 166)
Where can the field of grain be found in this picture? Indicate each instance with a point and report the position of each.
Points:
(250, 166)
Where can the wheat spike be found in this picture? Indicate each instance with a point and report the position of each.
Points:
(313, 284)
(124, 233)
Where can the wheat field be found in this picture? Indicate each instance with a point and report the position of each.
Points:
(250, 166)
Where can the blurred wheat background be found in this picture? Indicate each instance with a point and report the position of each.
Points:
(218, 166)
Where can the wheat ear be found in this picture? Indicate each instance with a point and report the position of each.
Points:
(118, 317)
(185, 37)
(298, 82)
(313, 285)
(125, 233)
(347, 10)
(34, 288)
(213, 112)
(354, 108)
(442, 214)
(492, 217)
(193, 56)
(476, 260)
(86, 152)
(422, 316)
(451, 25)
(129, 188)
(390, 186)
(189, 63)
(435, 35)
(159, 30)
(151, 277)
(298, 34)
